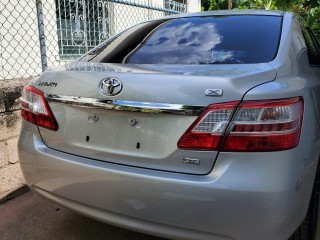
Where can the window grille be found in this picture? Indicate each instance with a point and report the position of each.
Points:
(83, 24)
(180, 6)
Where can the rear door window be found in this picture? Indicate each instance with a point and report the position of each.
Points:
(313, 47)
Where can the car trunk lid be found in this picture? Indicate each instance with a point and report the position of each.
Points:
(141, 125)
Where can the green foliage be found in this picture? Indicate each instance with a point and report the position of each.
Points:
(312, 3)
(263, 4)
(312, 19)
(241, 4)
(218, 4)
(308, 9)
(205, 4)
(288, 5)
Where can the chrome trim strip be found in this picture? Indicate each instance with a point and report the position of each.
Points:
(131, 106)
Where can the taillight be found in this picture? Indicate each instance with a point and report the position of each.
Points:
(207, 131)
(269, 125)
(35, 109)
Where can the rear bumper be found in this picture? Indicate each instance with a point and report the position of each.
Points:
(245, 197)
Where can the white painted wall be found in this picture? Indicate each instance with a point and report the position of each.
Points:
(124, 16)
(19, 37)
(194, 5)
(50, 20)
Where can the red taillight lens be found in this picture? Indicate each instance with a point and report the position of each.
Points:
(269, 125)
(35, 109)
(207, 131)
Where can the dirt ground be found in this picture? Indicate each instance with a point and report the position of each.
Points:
(31, 217)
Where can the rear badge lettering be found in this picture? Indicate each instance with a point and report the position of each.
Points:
(214, 92)
(193, 161)
(48, 84)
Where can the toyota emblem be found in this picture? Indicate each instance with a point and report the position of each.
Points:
(110, 86)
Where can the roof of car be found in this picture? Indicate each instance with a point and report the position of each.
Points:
(229, 12)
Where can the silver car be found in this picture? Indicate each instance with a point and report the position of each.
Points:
(193, 127)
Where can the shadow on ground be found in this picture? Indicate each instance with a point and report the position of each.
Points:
(30, 217)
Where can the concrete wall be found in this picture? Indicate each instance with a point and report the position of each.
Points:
(10, 174)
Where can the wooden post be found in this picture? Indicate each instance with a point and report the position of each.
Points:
(229, 4)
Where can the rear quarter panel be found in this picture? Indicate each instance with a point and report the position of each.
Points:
(295, 77)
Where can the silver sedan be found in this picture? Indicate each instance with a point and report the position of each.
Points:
(193, 127)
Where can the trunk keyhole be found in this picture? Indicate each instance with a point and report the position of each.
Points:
(87, 138)
(138, 145)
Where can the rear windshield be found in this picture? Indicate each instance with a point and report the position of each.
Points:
(196, 40)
